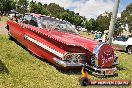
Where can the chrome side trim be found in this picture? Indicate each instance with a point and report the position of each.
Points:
(96, 52)
(96, 49)
(44, 46)
(66, 64)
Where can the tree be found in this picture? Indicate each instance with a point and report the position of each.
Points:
(6, 6)
(33, 7)
(118, 29)
(71, 17)
(38, 8)
(78, 20)
(91, 24)
(103, 21)
(22, 6)
(126, 16)
(55, 9)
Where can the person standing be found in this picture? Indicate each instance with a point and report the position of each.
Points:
(105, 36)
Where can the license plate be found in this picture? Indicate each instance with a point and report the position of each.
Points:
(109, 72)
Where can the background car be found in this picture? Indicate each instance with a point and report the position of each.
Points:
(124, 43)
(98, 36)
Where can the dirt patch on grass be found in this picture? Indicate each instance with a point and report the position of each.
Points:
(3, 30)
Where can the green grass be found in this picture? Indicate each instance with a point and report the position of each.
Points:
(87, 34)
(3, 19)
(20, 69)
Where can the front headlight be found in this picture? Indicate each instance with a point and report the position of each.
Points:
(94, 61)
(70, 58)
(116, 62)
(74, 58)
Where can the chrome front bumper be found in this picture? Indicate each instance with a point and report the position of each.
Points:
(93, 70)
(101, 71)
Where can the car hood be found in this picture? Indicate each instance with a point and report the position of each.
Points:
(104, 52)
(129, 41)
(75, 40)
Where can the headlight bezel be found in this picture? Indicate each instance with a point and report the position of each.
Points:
(94, 61)
(76, 58)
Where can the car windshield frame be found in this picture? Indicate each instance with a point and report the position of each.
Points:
(53, 24)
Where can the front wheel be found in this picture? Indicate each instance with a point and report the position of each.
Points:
(129, 49)
(10, 36)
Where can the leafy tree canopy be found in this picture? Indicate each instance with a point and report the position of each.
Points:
(126, 16)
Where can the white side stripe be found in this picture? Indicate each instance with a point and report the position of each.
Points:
(44, 46)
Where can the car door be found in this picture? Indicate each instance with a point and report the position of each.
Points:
(22, 28)
(15, 29)
(119, 43)
(18, 30)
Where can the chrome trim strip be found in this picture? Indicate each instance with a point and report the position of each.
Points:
(65, 64)
(96, 49)
(96, 52)
(44, 46)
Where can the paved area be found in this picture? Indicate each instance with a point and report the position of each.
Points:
(2, 28)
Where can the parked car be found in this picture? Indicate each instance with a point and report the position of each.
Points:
(59, 43)
(84, 29)
(12, 14)
(93, 32)
(124, 43)
(98, 36)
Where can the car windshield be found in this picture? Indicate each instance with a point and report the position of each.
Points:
(54, 24)
(121, 38)
(125, 38)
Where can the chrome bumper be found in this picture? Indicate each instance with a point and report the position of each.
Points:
(101, 71)
(93, 70)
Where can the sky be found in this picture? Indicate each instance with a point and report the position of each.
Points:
(89, 8)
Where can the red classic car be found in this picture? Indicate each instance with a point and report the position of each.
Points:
(59, 43)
